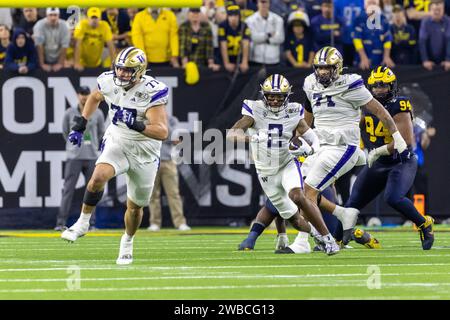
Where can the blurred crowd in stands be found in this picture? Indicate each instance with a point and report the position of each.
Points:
(230, 35)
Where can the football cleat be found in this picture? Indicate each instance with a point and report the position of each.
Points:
(329, 245)
(426, 233)
(300, 245)
(76, 231)
(363, 237)
(125, 252)
(348, 217)
(285, 250)
(247, 245)
(282, 241)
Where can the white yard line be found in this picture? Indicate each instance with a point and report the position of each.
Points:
(140, 267)
(228, 287)
(228, 276)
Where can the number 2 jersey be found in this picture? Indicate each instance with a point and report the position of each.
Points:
(272, 155)
(375, 135)
(336, 108)
(147, 93)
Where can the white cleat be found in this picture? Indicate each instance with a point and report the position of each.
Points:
(153, 228)
(125, 252)
(282, 241)
(300, 245)
(330, 246)
(184, 227)
(76, 231)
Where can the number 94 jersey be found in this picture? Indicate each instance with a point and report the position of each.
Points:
(374, 134)
(272, 155)
(147, 93)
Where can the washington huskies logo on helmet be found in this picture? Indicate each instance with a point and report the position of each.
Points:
(383, 77)
(328, 57)
(276, 90)
(132, 59)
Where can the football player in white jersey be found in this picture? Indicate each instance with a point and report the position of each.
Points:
(131, 143)
(271, 123)
(335, 102)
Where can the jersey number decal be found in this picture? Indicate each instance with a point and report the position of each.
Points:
(151, 82)
(379, 131)
(405, 105)
(279, 128)
(299, 51)
(318, 97)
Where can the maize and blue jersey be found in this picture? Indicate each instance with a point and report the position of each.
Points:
(373, 39)
(323, 28)
(300, 48)
(349, 10)
(420, 6)
(233, 38)
(404, 44)
(375, 135)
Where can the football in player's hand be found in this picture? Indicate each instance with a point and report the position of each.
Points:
(295, 143)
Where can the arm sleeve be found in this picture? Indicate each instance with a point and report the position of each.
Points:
(256, 35)
(182, 41)
(278, 37)
(32, 58)
(137, 36)
(107, 31)
(423, 39)
(174, 46)
(159, 96)
(447, 38)
(246, 109)
(65, 36)
(10, 64)
(66, 126)
(38, 34)
(209, 44)
(357, 93)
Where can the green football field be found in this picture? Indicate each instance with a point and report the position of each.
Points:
(204, 264)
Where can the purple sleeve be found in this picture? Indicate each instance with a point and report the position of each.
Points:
(423, 40)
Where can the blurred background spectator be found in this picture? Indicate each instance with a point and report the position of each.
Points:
(52, 38)
(387, 7)
(416, 11)
(4, 43)
(404, 38)
(167, 177)
(298, 46)
(349, 10)
(372, 37)
(91, 35)
(28, 20)
(119, 22)
(283, 8)
(267, 34)
(326, 28)
(155, 31)
(21, 55)
(196, 42)
(312, 7)
(247, 7)
(434, 37)
(6, 17)
(234, 38)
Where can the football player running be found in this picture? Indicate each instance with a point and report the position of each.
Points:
(271, 123)
(388, 168)
(335, 102)
(131, 143)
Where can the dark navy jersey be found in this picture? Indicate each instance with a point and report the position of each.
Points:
(374, 134)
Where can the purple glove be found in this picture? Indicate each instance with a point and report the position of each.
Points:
(75, 137)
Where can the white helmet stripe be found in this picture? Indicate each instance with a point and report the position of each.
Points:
(125, 53)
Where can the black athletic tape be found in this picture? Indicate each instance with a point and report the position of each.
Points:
(92, 198)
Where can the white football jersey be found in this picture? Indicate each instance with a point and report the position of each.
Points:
(272, 155)
(336, 108)
(147, 93)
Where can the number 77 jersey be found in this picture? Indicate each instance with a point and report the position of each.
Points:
(272, 155)
(336, 108)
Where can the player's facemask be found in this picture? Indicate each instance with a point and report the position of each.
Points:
(131, 60)
(383, 77)
(275, 92)
(325, 75)
(328, 65)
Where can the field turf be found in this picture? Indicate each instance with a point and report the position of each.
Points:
(204, 264)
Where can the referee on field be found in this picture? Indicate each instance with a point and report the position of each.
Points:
(79, 160)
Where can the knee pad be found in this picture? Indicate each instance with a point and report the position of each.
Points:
(92, 198)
